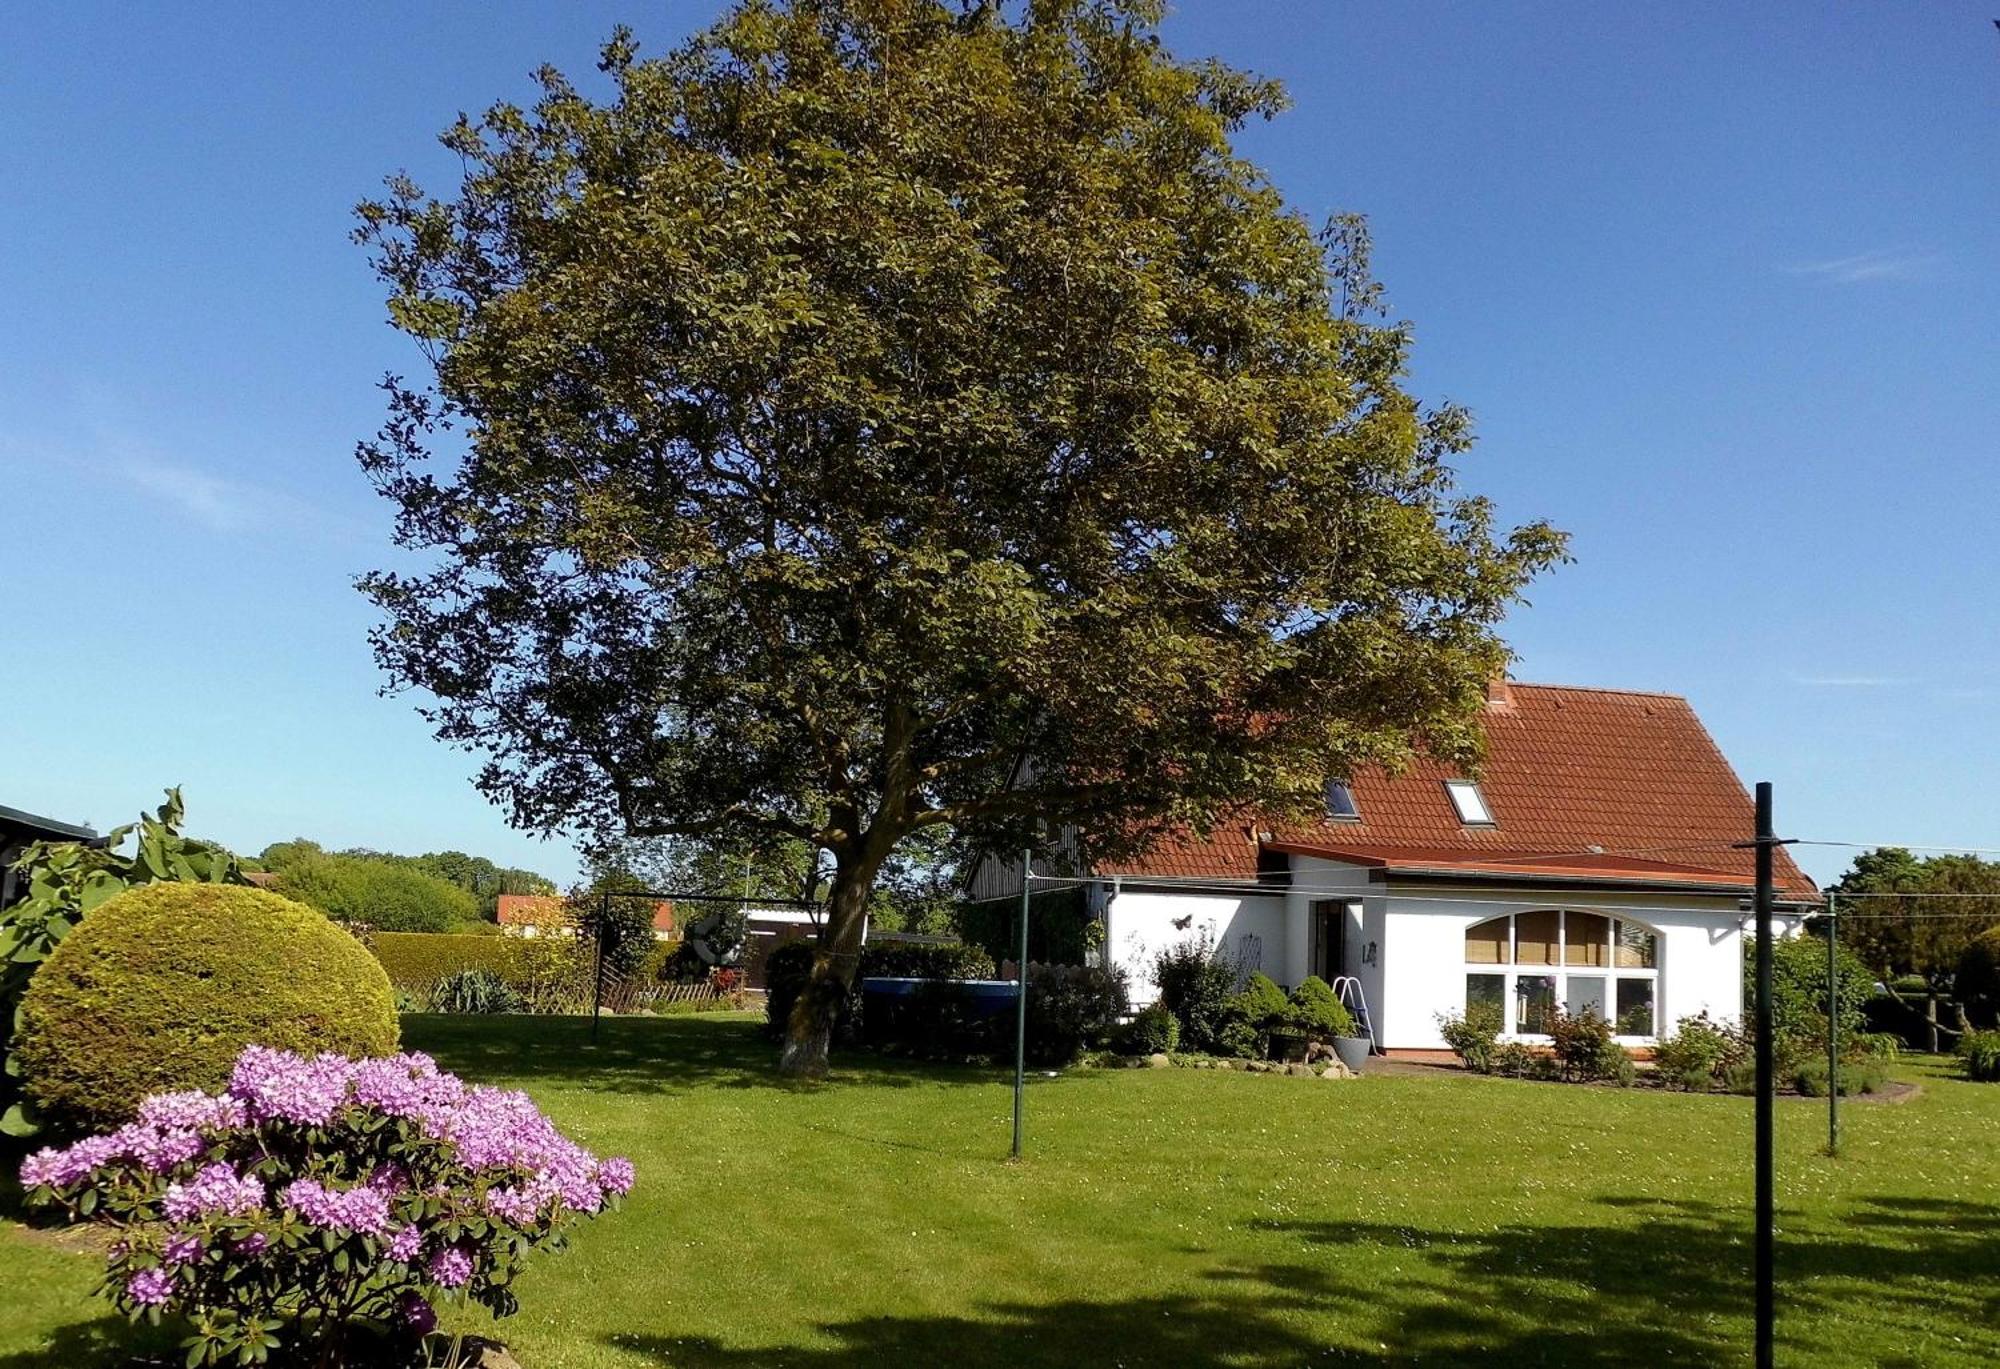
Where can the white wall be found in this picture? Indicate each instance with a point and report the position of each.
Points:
(1423, 953)
(1142, 923)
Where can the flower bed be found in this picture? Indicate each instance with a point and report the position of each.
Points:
(317, 1198)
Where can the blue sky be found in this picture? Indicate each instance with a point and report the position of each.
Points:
(1721, 284)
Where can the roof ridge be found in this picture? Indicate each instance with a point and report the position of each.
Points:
(1598, 689)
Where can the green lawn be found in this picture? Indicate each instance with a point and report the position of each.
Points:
(1170, 1217)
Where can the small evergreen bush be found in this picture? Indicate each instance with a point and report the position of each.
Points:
(161, 988)
(1474, 1035)
(1318, 1012)
(1154, 1031)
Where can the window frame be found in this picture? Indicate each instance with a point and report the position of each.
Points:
(1346, 790)
(1454, 789)
(1511, 969)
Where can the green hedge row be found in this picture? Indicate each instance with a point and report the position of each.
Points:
(423, 957)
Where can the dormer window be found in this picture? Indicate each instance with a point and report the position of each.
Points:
(1470, 803)
(1340, 805)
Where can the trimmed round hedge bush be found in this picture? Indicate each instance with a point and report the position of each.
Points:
(162, 987)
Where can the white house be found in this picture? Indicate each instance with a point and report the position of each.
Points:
(1594, 862)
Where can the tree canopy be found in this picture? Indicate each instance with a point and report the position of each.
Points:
(877, 415)
(1915, 918)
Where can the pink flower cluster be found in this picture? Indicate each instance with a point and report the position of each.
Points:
(488, 1151)
(214, 1188)
(364, 1208)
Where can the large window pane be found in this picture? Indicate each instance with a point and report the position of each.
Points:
(1535, 937)
(1635, 1007)
(1584, 994)
(1638, 949)
(1534, 1002)
(1486, 944)
(1486, 991)
(1585, 938)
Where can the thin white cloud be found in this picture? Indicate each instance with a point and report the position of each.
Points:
(225, 505)
(1882, 264)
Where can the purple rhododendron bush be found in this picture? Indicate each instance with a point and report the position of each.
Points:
(319, 1197)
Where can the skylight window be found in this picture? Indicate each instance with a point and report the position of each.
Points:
(1470, 803)
(1340, 805)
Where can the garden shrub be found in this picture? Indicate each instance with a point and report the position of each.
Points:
(1581, 1043)
(1474, 1035)
(786, 971)
(1153, 1031)
(1238, 1040)
(1979, 1053)
(1518, 1060)
(474, 991)
(418, 959)
(162, 988)
(925, 960)
(1317, 1010)
(318, 1198)
(1615, 1063)
(1071, 1009)
(1859, 1074)
(1696, 1056)
(1261, 1004)
(1196, 984)
(1798, 990)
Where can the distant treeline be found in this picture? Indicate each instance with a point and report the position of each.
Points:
(439, 891)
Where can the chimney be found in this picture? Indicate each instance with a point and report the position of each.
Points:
(1499, 694)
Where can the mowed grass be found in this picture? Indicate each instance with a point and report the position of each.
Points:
(1181, 1217)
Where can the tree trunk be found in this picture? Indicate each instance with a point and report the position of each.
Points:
(809, 1033)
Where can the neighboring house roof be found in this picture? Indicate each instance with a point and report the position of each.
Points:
(16, 823)
(1606, 785)
(520, 910)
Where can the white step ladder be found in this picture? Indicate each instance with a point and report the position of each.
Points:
(1352, 997)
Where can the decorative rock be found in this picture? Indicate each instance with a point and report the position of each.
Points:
(1159, 1062)
(1300, 1071)
(1336, 1071)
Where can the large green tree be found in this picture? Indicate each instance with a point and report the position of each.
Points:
(878, 415)
(1910, 915)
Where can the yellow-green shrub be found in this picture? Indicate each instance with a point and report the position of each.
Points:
(161, 989)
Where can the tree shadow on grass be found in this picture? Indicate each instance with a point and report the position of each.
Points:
(1673, 1288)
(652, 1055)
(106, 1342)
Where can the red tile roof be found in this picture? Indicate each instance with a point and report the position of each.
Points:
(1582, 783)
(519, 910)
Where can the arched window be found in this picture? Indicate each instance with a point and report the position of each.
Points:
(1526, 963)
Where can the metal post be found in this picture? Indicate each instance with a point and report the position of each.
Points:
(1832, 1026)
(1021, 1006)
(1766, 1243)
(597, 973)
